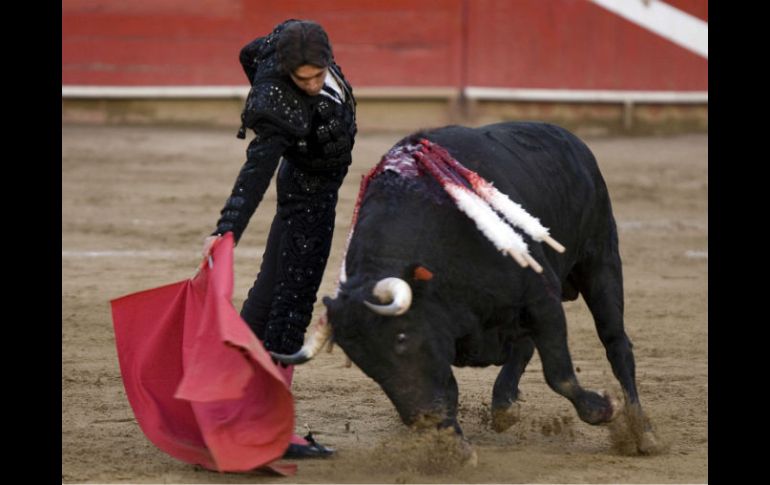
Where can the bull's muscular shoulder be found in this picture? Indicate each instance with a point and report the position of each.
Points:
(273, 100)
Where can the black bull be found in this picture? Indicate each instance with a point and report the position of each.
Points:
(479, 307)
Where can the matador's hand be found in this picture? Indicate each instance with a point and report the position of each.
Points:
(207, 243)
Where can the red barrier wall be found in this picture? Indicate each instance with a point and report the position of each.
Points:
(573, 45)
(564, 44)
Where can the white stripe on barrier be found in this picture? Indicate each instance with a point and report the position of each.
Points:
(664, 20)
(471, 92)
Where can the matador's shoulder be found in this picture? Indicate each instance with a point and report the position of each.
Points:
(273, 100)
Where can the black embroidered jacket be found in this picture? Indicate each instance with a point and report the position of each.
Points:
(314, 133)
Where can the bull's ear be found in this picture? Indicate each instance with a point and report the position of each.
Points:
(418, 272)
(421, 273)
(333, 308)
(333, 305)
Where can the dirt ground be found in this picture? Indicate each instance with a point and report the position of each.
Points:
(138, 201)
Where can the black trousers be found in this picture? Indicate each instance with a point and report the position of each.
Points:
(279, 305)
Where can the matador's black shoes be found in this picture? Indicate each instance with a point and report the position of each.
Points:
(311, 450)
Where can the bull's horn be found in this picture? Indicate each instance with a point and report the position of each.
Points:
(395, 291)
(343, 272)
(318, 337)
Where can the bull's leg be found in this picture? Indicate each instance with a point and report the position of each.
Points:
(600, 281)
(549, 331)
(505, 394)
(601, 284)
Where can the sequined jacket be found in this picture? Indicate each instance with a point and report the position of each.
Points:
(314, 133)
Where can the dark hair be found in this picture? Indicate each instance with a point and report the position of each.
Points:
(303, 42)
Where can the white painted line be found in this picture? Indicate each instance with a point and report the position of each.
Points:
(697, 254)
(661, 224)
(664, 20)
(124, 254)
(254, 252)
(587, 96)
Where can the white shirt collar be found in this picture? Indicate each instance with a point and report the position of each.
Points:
(331, 82)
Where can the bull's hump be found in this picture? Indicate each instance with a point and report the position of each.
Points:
(400, 160)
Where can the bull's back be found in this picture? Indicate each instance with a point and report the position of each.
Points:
(526, 157)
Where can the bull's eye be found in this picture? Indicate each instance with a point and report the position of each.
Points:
(400, 343)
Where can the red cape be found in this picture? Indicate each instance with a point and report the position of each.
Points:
(202, 387)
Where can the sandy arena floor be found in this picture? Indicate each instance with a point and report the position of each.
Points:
(138, 201)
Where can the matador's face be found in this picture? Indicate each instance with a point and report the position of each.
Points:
(309, 78)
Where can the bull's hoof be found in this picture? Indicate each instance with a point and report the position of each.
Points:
(633, 434)
(616, 405)
(649, 444)
(473, 460)
(598, 408)
(504, 418)
(468, 455)
(647, 441)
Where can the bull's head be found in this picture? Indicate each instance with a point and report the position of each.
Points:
(389, 328)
